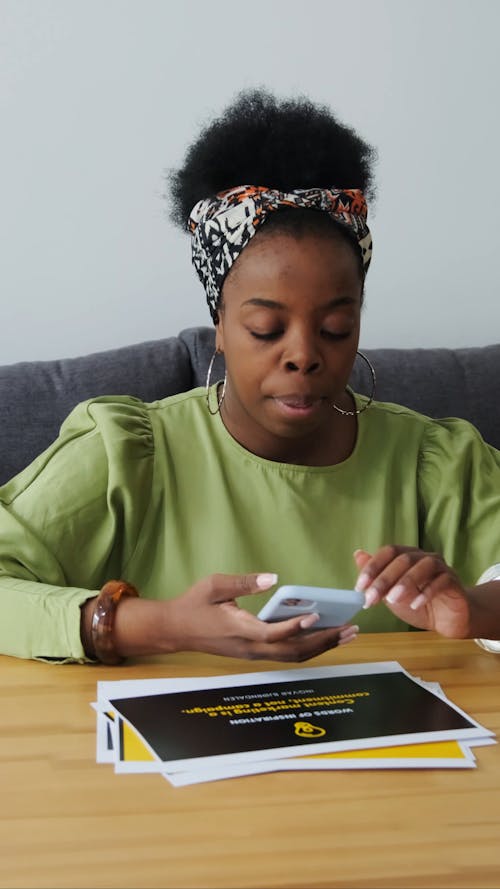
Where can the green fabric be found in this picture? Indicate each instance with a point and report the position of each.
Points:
(161, 495)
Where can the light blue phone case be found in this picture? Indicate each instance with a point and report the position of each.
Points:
(335, 607)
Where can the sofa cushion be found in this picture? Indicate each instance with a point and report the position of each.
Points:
(443, 383)
(35, 397)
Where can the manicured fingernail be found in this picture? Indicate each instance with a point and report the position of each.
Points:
(371, 596)
(362, 582)
(418, 602)
(309, 620)
(343, 640)
(264, 581)
(352, 630)
(395, 594)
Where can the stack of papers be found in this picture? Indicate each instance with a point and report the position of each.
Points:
(358, 716)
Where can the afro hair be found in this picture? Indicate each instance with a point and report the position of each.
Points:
(281, 144)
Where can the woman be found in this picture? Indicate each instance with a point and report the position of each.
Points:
(279, 472)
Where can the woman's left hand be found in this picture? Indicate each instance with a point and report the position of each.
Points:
(418, 587)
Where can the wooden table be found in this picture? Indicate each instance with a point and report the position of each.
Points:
(67, 822)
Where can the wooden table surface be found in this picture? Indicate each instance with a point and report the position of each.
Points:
(68, 822)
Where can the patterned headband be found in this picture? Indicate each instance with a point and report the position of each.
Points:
(221, 227)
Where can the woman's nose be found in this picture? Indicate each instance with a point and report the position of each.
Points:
(304, 367)
(302, 355)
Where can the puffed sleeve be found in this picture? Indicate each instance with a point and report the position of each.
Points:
(70, 522)
(491, 573)
(459, 497)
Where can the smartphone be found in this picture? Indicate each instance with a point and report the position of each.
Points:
(335, 607)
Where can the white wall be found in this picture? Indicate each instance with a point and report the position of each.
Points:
(99, 97)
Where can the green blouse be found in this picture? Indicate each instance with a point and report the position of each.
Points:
(161, 495)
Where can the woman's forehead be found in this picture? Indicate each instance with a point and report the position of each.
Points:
(283, 263)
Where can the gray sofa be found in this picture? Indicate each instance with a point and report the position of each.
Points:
(36, 396)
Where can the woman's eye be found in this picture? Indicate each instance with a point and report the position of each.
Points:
(272, 335)
(333, 335)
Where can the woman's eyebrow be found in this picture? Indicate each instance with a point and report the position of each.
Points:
(267, 303)
(275, 304)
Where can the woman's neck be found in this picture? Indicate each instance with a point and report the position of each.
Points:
(330, 446)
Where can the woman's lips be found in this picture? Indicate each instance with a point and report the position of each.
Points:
(297, 405)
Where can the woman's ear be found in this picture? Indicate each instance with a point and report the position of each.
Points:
(219, 334)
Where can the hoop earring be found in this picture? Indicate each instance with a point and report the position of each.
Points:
(207, 387)
(372, 396)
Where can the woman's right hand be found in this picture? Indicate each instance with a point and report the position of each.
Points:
(207, 618)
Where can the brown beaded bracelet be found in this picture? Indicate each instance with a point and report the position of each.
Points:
(103, 620)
